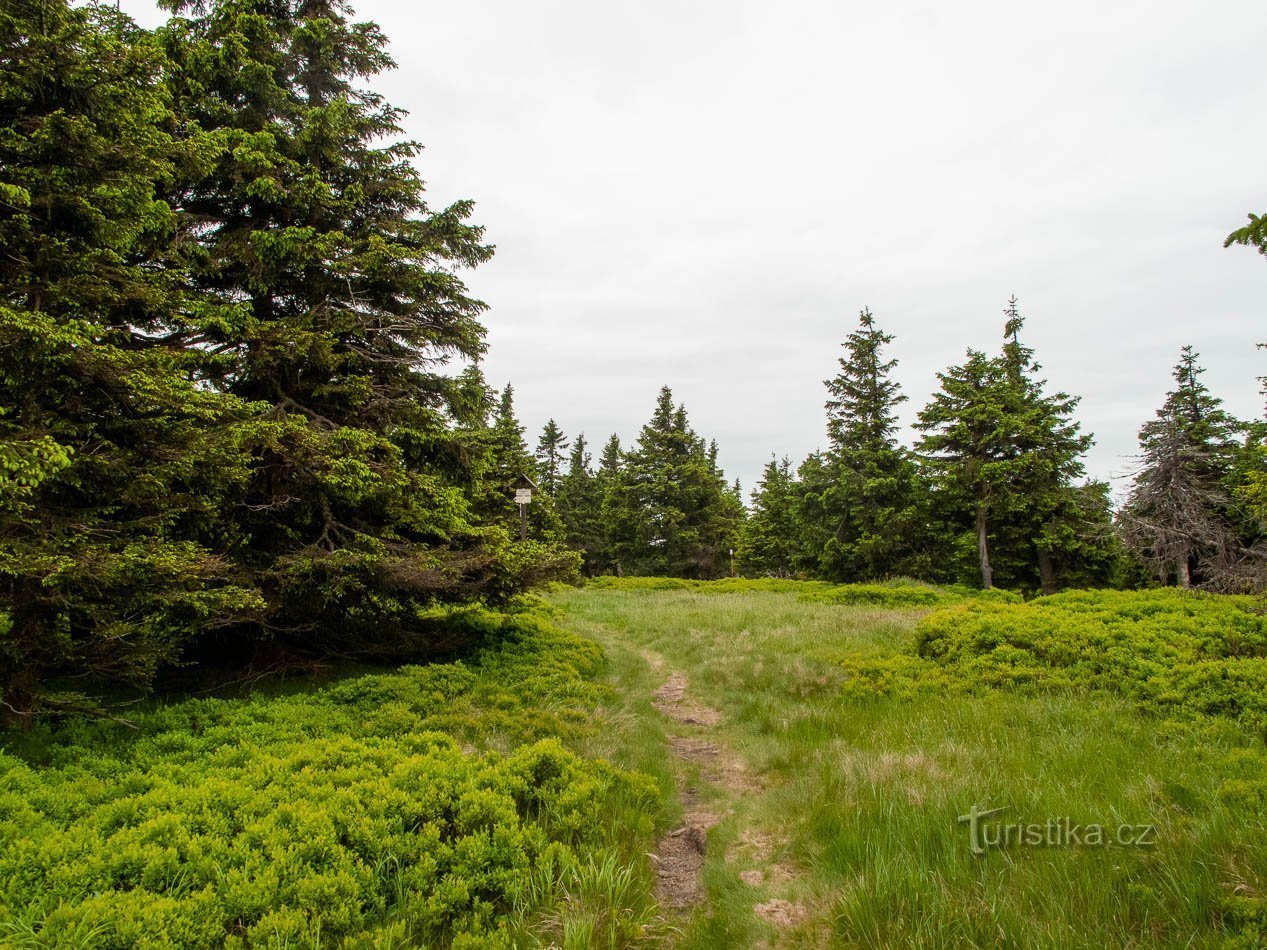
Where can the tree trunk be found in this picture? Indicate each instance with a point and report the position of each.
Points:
(1184, 573)
(983, 548)
(1046, 571)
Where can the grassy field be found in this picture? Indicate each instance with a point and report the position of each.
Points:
(859, 756)
(666, 763)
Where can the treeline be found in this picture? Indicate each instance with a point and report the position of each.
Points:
(226, 426)
(991, 491)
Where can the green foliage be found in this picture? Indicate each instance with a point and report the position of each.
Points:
(904, 594)
(768, 542)
(114, 457)
(668, 507)
(550, 455)
(861, 498)
(225, 308)
(369, 808)
(1171, 651)
(1181, 518)
(580, 504)
(897, 594)
(1003, 455)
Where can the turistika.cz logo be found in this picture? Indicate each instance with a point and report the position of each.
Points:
(984, 833)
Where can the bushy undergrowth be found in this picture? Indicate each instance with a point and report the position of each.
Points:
(427, 805)
(1170, 651)
(898, 593)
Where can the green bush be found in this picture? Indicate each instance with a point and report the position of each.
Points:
(1169, 650)
(370, 808)
(900, 593)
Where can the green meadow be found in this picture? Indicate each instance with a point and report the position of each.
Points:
(826, 741)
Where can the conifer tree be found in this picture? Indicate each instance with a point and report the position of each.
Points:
(967, 446)
(511, 461)
(550, 456)
(114, 457)
(866, 495)
(1049, 511)
(768, 542)
(1004, 452)
(670, 509)
(345, 303)
(1180, 518)
(580, 504)
(617, 516)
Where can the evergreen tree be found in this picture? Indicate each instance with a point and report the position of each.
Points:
(114, 457)
(670, 509)
(551, 454)
(617, 517)
(1004, 452)
(866, 497)
(768, 543)
(1051, 516)
(511, 461)
(967, 446)
(1180, 518)
(345, 303)
(580, 504)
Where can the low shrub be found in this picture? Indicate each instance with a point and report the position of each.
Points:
(371, 809)
(905, 594)
(1175, 651)
(901, 593)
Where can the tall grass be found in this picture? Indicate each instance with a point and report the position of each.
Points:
(863, 790)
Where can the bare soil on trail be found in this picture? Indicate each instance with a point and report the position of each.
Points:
(680, 853)
(671, 700)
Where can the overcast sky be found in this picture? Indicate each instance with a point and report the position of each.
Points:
(705, 194)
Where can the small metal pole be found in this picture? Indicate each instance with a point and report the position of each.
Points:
(523, 522)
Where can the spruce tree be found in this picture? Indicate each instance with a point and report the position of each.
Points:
(618, 518)
(866, 498)
(967, 446)
(511, 461)
(580, 504)
(1049, 513)
(115, 458)
(1180, 518)
(550, 456)
(768, 543)
(670, 509)
(346, 304)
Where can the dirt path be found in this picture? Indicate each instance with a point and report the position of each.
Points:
(680, 854)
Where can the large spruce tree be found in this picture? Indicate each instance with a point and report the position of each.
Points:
(551, 455)
(769, 541)
(345, 302)
(1052, 522)
(115, 458)
(580, 504)
(670, 509)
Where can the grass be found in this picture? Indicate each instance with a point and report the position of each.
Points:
(512, 799)
(858, 817)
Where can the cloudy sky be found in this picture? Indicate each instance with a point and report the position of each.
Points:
(704, 194)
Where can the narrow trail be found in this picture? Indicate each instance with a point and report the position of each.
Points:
(681, 853)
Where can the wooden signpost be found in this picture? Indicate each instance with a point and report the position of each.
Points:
(523, 498)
